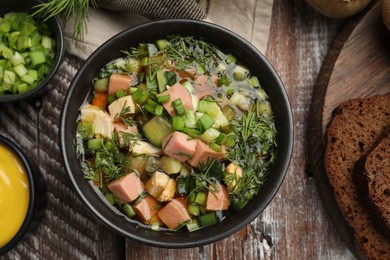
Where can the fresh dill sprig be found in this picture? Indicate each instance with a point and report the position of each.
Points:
(67, 8)
(253, 151)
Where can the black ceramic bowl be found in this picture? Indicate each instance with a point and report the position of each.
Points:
(33, 206)
(7, 6)
(228, 42)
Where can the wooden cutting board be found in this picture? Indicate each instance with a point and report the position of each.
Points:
(357, 65)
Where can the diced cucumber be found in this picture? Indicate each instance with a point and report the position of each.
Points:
(156, 129)
(162, 81)
(170, 165)
(240, 73)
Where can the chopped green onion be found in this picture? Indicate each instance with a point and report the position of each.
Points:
(200, 198)
(190, 120)
(128, 209)
(177, 102)
(140, 96)
(204, 123)
(202, 106)
(110, 198)
(178, 123)
(191, 132)
(220, 138)
(163, 98)
(149, 108)
(20, 70)
(120, 93)
(47, 42)
(101, 85)
(158, 110)
(230, 59)
(151, 103)
(193, 209)
(215, 147)
(210, 135)
(208, 219)
(95, 144)
(162, 44)
(23, 88)
(110, 99)
(37, 58)
(193, 225)
(132, 90)
(17, 59)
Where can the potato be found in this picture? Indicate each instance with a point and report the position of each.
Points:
(338, 8)
(386, 13)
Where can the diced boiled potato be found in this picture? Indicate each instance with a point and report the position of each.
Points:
(169, 191)
(233, 174)
(116, 107)
(102, 122)
(142, 147)
(157, 183)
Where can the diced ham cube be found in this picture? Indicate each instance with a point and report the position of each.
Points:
(204, 154)
(146, 209)
(127, 188)
(179, 146)
(217, 200)
(118, 82)
(175, 92)
(174, 213)
(121, 128)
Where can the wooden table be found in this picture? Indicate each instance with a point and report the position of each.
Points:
(294, 225)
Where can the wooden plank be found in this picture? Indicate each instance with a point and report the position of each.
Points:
(67, 229)
(357, 65)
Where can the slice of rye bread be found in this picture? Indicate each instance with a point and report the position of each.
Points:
(355, 126)
(372, 177)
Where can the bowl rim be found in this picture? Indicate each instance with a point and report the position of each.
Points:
(215, 237)
(60, 51)
(29, 169)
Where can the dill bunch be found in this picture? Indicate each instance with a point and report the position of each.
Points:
(67, 9)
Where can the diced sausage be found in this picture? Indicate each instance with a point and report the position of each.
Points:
(174, 213)
(175, 92)
(204, 154)
(217, 200)
(146, 209)
(157, 183)
(118, 82)
(127, 188)
(179, 146)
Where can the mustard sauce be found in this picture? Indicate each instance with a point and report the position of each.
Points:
(14, 194)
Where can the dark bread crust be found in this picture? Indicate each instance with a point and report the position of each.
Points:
(372, 177)
(355, 126)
